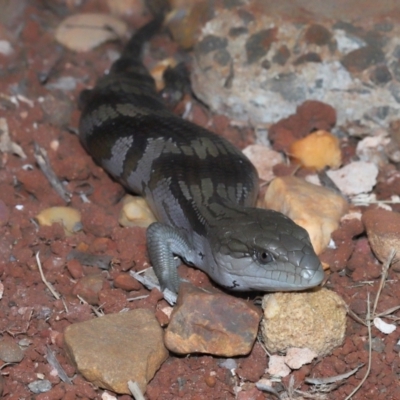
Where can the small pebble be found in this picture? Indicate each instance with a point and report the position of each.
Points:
(277, 366)
(355, 178)
(40, 386)
(126, 282)
(5, 48)
(318, 150)
(25, 342)
(75, 269)
(10, 352)
(68, 217)
(89, 287)
(210, 381)
(135, 212)
(229, 363)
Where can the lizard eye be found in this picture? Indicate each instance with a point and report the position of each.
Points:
(263, 256)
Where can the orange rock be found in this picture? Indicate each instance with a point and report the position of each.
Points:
(157, 72)
(211, 322)
(315, 208)
(310, 116)
(116, 348)
(126, 282)
(75, 269)
(318, 150)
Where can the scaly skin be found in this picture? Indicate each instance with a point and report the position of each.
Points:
(201, 188)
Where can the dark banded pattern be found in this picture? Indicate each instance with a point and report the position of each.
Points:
(201, 188)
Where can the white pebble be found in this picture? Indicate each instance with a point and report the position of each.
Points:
(355, 178)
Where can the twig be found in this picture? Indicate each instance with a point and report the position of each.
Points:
(92, 260)
(94, 309)
(149, 280)
(383, 279)
(44, 164)
(65, 305)
(355, 316)
(7, 364)
(367, 199)
(138, 298)
(259, 339)
(333, 379)
(368, 320)
(269, 389)
(387, 312)
(135, 390)
(52, 360)
(45, 281)
(6, 144)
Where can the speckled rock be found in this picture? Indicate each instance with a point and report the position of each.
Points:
(111, 350)
(315, 208)
(259, 69)
(211, 322)
(314, 320)
(377, 148)
(10, 352)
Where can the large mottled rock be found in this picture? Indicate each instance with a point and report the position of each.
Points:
(383, 229)
(315, 208)
(314, 320)
(211, 322)
(111, 350)
(258, 67)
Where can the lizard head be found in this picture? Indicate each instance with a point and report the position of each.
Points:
(263, 250)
